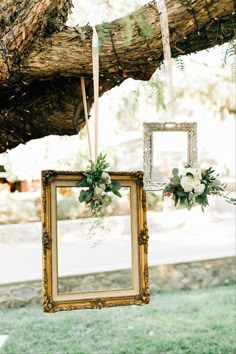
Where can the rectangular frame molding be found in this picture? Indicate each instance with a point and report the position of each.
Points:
(138, 294)
(148, 129)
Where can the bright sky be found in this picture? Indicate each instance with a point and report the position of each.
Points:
(97, 11)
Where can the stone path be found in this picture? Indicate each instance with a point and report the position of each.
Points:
(176, 237)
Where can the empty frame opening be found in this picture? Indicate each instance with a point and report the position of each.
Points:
(168, 149)
(89, 248)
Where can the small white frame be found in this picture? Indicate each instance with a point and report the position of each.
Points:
(149, 129)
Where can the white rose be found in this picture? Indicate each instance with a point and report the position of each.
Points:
(187, 182)
(106, 178)
(99, 190)
(196, 182)
(196, 172)
(103, 186)
(199, 189)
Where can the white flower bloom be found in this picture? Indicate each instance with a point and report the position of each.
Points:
(199, 189)
(196, 184)
(190, 183)
(187, 182)
(98, 191)
(106, 178)
(103, 186)
(196, 172)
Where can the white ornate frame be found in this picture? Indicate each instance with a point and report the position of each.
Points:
(138, 294)
(148, 129)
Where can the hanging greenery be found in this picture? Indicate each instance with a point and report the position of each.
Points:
(100, 187)
(194, 186)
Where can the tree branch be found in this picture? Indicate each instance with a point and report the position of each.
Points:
(132, 46)
(52, 107)
(42, 96)
(21, 21)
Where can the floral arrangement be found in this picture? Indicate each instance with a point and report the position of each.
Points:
(99, 187)
(194, 186)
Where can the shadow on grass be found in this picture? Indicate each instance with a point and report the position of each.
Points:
(191, 321)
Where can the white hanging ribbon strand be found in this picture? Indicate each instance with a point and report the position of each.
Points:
(166, 50)
(95, 61)
(86, 116)
(95, 56)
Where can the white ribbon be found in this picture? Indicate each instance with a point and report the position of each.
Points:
(95, 56)
(86, 115)
(95, 61)
(166, 50)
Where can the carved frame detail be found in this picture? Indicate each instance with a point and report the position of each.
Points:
(53, 302)
(148, 129)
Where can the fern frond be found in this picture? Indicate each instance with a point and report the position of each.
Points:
(157, 92)
(179, 63)
(128, 33)
(230, 51)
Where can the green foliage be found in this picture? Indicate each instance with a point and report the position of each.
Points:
(128, 23)
(146, 30)
(156, 91)
(99, 185)
(178, 322)
(189, 194)
(179, 63)
(230, 51)
(230, 57)
(175, 171)
(101, 33)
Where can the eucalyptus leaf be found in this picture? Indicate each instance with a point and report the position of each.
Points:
(89, 181)
(182, 200)
(175, 171)
(176, 198)
(117, 193)
(81, 183)
(82, 196)
(115, 185)
(181, 194)
(175, 180)
(89, 197)
(188, 206)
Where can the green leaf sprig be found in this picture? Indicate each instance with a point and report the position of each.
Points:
(99, 187)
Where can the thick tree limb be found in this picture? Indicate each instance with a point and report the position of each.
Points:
(31, 108)
(68, 52)
(21, 21)
(52, 107)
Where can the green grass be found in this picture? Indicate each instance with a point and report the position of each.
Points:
(196, 321)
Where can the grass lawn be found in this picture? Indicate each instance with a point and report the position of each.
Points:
(196, 321)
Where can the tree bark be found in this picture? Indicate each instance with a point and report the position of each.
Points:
(21, 23)
(42, 108)
(42, 94)
(68, 52)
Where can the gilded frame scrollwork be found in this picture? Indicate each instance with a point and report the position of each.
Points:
(148, 130)
(139, 294)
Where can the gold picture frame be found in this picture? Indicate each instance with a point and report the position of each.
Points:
(138, 292)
